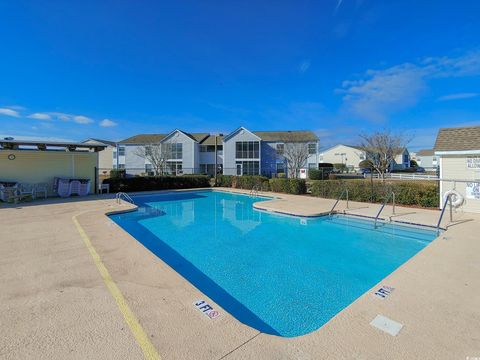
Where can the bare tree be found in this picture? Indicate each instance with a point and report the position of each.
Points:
(156, 154)
(296, 155)
(381, 148)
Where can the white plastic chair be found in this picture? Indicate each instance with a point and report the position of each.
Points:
(75, 187)
(84, 188)
(25, 191)
(63, 188)
(41, 188)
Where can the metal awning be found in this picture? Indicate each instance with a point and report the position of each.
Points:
(43, 145)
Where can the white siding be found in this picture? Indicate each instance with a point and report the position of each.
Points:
(351, 158)
(454, 167)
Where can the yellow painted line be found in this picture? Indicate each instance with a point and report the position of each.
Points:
(141, 337)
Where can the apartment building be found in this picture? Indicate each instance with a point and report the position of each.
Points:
(241, 152)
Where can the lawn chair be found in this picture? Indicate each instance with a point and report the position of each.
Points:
(84, 188)
(75, 187)
(41, 188)
(26, 191)
(63, 188)
(9, 193)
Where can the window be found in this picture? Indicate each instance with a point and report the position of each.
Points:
(248, 167)
(280, 168)
(149, 169)
(312, 165)
(207, 169)
(174, 167)
(312, 148)
(114, 154)
(175, 150)
(121, 166)
(280, 149)
(247, 149)
(405, 158)
(121, 151)
(210, 148)
(362, 156)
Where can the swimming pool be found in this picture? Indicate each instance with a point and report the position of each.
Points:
(282, 275)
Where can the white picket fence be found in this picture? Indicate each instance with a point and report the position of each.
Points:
(404, 176)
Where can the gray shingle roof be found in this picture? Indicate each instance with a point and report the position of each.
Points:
(426, 152)
(210, 140)
(143, 139)
(458, 139)
(293, 135)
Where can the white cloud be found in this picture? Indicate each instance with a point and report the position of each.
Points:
(380, 93)
(457, 96)
(304, 66)
(40, 116)
(107, 123)
(80, 119)
(9, 112)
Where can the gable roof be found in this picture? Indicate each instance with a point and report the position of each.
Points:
(105, 142)
(458, 139)
(426, 152)
(143, 139)
(198, 137)
(237, 130)
(210, 140)
(287, 136)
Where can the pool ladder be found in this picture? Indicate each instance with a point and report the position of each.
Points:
(344, 191)
(125, 196)
(254, 191)
(448, 200)
(390, 195)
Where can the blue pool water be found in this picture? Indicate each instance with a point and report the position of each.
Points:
(279, 274)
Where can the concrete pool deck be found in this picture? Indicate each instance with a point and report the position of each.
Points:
(54, 303)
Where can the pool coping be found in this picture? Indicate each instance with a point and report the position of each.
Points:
(439, 322)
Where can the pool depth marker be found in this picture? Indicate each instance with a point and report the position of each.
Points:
(149, 351)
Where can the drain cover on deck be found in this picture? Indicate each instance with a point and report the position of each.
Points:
(387, 325)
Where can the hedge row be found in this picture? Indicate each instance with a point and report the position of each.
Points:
(319, 174)
(149, 183)
(290, 186)
(424, 194)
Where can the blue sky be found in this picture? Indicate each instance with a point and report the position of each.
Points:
(112, 69)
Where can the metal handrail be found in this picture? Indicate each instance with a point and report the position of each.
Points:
(345, 190)
(127, 197)
(447, 200)
(392, 195)
(254, 191)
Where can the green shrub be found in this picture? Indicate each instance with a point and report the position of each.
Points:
(246, 182)
(315, 174)
(149, 183)
(319, 174)
(297, 186)
(289, 186)
(414, 193)
(224, 180)
(117, 173)
(279, 185)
